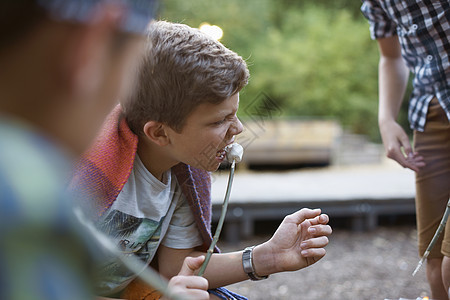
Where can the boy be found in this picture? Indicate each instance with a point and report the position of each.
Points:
(414, 36)
(63, 65)
(149, 170)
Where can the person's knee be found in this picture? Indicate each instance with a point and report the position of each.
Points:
(434, 270)
(434, 263)
(446, 273)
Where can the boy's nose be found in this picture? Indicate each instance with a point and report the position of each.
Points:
(237, 127)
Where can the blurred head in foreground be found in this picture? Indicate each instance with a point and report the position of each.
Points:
(64, 64)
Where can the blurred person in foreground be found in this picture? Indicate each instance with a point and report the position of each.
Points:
(147, 178)
(63, 66)
(414, 36)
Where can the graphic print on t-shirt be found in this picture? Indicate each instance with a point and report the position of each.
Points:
(133, 236)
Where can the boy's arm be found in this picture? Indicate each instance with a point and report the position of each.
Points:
(223, 269)
(294, 246)
(392, 79)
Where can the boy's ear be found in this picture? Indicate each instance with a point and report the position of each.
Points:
(155, 132)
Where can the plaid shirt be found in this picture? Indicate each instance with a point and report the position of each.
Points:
(423, 30)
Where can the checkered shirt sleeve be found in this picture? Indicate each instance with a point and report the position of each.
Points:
(381, 26)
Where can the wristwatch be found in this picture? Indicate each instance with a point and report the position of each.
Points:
(247, 263)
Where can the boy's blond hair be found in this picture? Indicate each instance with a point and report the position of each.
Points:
(182, 68)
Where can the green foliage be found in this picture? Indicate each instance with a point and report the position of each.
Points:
(314, 60)
(320, 65)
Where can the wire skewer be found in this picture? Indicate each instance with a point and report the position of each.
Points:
(435, 237)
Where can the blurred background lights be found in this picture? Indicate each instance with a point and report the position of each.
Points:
(213, 31)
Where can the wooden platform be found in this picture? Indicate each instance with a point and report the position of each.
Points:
(289, 141)
(361, 193)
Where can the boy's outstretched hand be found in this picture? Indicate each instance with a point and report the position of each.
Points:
(298, 242)
(188, 285)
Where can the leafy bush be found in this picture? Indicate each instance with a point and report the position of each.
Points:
(319, 64)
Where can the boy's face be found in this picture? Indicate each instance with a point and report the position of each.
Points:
(208, 129)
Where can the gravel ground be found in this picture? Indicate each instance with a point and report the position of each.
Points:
(373, 265)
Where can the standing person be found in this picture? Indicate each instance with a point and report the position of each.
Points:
(64, 63)
(414, 36)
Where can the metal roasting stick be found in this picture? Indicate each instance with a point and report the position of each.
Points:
(435, 237)
(235, 155)
(146, 274)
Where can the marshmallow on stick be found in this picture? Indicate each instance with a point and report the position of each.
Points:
(234, 152)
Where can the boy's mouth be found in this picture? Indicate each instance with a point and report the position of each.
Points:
(222, 153)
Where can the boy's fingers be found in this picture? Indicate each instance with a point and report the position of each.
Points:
(397, 155)
(321, 219)
(316, 253)
(404, 140)
(303, 214)
(319, 230)
(182, 283)
(403, 161)
(191, 264)
(319, 242)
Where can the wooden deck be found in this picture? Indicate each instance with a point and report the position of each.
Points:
(361, 193)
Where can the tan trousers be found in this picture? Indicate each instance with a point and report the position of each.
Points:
(433, 181)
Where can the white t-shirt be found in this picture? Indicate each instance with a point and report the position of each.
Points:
(147, 212)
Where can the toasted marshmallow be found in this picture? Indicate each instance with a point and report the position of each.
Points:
(234, 152)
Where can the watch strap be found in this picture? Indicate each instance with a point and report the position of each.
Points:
(247, 263)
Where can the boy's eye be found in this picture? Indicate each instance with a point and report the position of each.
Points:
(219, 122)
(229, 118)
